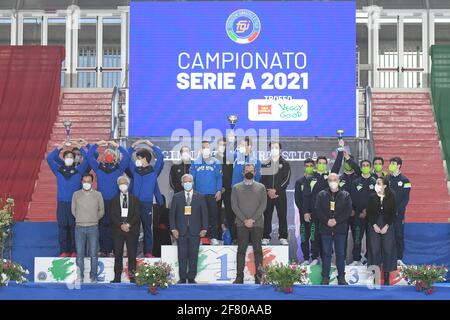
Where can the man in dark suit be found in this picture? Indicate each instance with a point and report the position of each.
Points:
(125, 218)
(188, 222)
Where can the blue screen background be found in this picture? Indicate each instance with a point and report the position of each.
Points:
(325, 31)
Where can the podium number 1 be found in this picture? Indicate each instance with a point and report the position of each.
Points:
(223, 268)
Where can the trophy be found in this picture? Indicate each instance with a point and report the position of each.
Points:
(233, 119)
(346, 148)
(67, 125)
(340, 133)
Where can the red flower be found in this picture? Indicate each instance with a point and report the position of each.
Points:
(429, 291)
(288, 290)
(154, 290)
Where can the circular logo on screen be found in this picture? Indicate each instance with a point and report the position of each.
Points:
(243, 26)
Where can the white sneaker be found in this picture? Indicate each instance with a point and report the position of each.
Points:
(315, 262)
(265, 242)
(305, 263)
(284, 242)
(355, 263)
(400, 263)
(214, 242)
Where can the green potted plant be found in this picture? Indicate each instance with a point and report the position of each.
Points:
(424, 277)
(155, 276)
(284, 276)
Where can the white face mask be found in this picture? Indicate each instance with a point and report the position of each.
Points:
(138, 163)
(123, 188)
(333, 185)
(68, 162)
(87, 186)
(378, 188)
(221, 149)
(185, 156)
(242, 149)
(275, 152)
(206, 152)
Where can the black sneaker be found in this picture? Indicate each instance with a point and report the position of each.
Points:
(182, 281)
(192, 281)
(342, 282)
(116, 281)
(238, 281)
(325, 281)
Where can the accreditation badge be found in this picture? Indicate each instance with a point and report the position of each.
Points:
(332, 203)
(124, 213)
(187, 210)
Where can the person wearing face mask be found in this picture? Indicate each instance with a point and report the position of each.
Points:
(68, 179)
(249, 200)
(125, 225)
(305, 227)
(276, 175)
(78, 158)
(378, 163)
(401, 186)
(226, 158)
(207, 173)
(362, 188)
(245, 155)
(351, 172)
(107, 170)
(88, 209)
(333, 210)
(314, 184)
(188, 219)
(180, 169)
(381, 214)
(145, 186)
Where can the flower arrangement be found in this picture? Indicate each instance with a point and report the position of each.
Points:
(424, 277)
(284, 276)
(155, 276)
(6, 221)
(10, 271)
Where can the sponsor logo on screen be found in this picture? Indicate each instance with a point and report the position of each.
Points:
(243, 26)
(278, 110)
(264, 109)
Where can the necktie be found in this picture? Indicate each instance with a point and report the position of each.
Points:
(188, 200)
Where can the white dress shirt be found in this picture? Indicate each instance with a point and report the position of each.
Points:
(124, 213)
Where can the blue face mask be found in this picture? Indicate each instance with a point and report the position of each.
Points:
(187, 186)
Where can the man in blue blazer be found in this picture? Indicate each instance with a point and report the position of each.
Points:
(188, 222)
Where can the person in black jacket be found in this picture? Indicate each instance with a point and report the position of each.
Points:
(317, 182)
(126, 224)
(381, 213)
(362, 189)
(276, 173)
(333, 210)
(226, 157)
(305, 227)
(179, 169)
